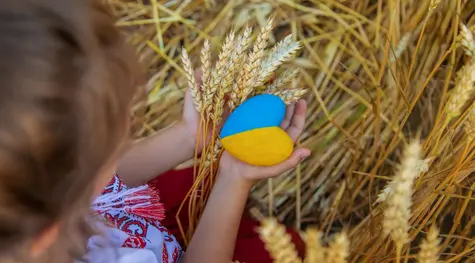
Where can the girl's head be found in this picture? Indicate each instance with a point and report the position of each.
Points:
(66, 83)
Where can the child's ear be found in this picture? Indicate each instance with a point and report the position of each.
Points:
(45, 240)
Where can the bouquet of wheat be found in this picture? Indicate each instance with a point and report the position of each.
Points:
(240, 72)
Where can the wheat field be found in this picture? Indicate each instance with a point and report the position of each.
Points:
(391, 123)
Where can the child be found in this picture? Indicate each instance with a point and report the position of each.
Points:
(66, 83)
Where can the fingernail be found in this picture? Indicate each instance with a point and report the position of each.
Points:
(304, 156)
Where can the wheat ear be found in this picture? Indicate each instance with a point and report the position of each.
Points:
(253, 66)
(235, 61)
(290, 96)
(190, 77)
(338, 249)
(219, 73)
(467, 40)
(429, 247)
(470, 122)
(281, 80)
(398, 211)
(206, 69)
(213, 156)
(464, 87)
(242, 46)
(315, 252)
(278, 242)
(280, 53)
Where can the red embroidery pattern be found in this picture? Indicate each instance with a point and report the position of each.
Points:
(134, 242)
(164, 253)
(137, 229)
(175, 255)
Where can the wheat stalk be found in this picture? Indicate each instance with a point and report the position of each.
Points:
(290, 96)
(280, 53)
(429, 247)
(464, 87)
(252, 68)
(398, 211)
(190, 77)
(278, 242)
(467, 40)
(338, 249)
(314, 250)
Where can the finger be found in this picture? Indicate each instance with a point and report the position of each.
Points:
(288, 116)
(297, 123)
(297, 156)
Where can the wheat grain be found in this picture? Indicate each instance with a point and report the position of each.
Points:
(338, 249)
(470, 122)
(464, 87)
(290, 95)
(190, 77)
(398, 211)
(283, 79)
(280, 53)
(429, 247)
(278, 242)
(467, 40)
(314, 250)
(252, 68)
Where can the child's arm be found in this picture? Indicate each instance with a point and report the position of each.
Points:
(152, 156)
(215, 237)
(165, 150)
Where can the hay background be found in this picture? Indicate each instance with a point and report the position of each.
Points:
(361, 111)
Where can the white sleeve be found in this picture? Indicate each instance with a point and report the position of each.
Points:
(120, 255)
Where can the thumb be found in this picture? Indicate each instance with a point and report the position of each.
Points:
(297, 156)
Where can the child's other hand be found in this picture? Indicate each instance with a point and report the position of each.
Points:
(293, 124)
(191, 119)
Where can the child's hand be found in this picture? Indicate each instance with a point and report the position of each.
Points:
(191, 119)
(293, 124)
